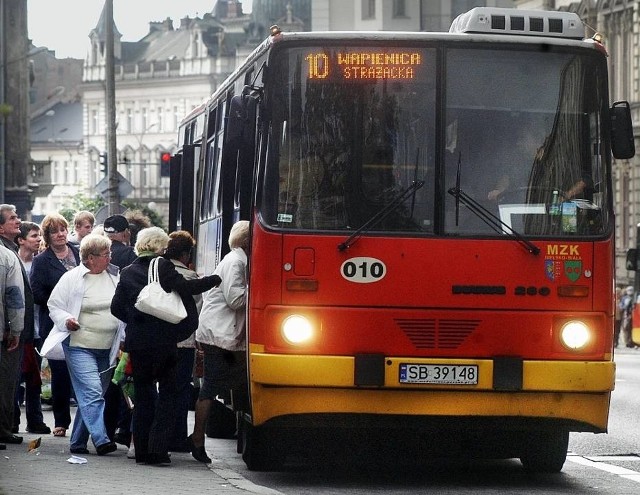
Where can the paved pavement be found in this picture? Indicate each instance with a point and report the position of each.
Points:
(47, 471)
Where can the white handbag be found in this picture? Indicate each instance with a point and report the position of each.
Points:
(154, 301)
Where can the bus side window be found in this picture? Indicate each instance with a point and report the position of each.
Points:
(210, 197)
(209, 166)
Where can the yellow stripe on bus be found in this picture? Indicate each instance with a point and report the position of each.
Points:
(338, 371)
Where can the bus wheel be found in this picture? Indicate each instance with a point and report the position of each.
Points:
(259, 451)
(546, 452)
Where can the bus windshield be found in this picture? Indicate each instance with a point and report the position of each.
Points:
(517, 131)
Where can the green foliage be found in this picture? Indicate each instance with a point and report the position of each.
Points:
(78, 203)
(5, 109)
(81, 202)
(68, 214)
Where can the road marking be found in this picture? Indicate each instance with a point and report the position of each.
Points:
(604, 458)
(609, 468)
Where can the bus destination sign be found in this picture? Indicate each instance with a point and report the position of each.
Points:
(363, 65)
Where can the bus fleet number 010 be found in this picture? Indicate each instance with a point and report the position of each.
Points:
(363, 270)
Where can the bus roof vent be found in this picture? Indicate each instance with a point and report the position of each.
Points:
(514, 21)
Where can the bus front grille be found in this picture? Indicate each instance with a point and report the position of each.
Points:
(434, 333)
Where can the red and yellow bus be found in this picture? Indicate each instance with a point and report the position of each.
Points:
(432, 250)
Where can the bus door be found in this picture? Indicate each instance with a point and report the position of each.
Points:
(183, 188)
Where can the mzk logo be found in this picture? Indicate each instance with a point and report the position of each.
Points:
(559, 256)
(573, 269)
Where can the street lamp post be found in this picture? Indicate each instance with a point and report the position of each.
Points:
(2, 117)
(112, 163)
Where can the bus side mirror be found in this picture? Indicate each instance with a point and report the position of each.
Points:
(622, 140)
(632, 260)
(242, 111)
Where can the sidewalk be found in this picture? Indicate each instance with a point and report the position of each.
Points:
(47, 471)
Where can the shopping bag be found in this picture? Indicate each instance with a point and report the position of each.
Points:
(154, 301)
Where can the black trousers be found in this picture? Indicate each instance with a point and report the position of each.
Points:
(154, 414)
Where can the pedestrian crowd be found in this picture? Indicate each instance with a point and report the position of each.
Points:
(68, 301)
(625, 304)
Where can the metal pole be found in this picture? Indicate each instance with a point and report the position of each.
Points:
(636, 276)
(2, 117)
(110, 104)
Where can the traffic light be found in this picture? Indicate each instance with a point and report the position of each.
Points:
(103, 162)
(165, 164)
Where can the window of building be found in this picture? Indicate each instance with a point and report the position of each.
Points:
(368, 9)
(176, 118)
(145, 119)
(160, 115)
(67, 172)
(145, 175)
(95, 124)
(54, 165)
(195, 46)
(129, 120)
(129, 169)
(399, 8)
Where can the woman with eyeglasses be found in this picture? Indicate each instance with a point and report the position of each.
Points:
(90, 335)
(58, 257)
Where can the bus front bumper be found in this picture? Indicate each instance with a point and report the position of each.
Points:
(576, 393)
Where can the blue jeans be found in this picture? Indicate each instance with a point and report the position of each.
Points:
(87, 369)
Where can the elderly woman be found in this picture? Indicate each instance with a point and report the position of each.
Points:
(79, 307)
(151, 344)
(222, 335)
(58, 258)
(179, 252)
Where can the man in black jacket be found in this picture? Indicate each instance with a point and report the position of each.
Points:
(117, 416)
(116, 227)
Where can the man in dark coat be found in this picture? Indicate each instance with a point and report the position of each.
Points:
(117, 416)
(116, 227)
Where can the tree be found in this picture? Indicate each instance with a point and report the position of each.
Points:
(81, 202)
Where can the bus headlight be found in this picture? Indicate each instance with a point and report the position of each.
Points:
(575, 334)
(297, 329)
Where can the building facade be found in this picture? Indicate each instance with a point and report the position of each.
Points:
(618, 22)
(159, 80)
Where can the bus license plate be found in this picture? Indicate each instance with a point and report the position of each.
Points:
(443, 374)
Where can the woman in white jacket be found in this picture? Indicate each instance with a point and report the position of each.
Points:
(221, 334)
(90, 335)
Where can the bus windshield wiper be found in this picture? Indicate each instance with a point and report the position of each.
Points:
(490, 219)
(383, 213)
